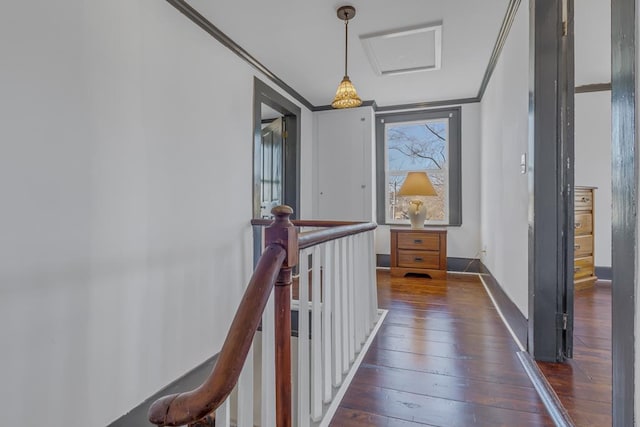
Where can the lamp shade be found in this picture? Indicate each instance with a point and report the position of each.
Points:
(417, 184)
(346, 95)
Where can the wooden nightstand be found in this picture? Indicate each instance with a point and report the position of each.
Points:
(419, 251)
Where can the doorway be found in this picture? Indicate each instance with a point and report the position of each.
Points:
(624, 184)
(276, 151)
(271, 159)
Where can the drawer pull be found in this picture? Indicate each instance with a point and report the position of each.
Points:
(585, 199)
(578, 224)
(576, 269)
(417, 241)
(576, 247)
(418, 259)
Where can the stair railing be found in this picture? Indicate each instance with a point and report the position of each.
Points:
(273, 271)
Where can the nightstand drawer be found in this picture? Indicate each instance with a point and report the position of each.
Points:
(418, 259)
(419, 241)
(422, 251)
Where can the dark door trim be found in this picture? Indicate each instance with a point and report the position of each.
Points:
(549, 169)
(566, 95)
(624, 181)
(263, 94)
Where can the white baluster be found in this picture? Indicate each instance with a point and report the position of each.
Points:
(316, 337)
(337, 310)
(368, 286)
(360, 290)
(327, 313)
(344, 293)
(352, 305)
(303, 339)
(223, 414)
(245, 392)
(268, 399)
(374, 280)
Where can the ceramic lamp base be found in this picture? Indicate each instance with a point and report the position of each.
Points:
(417, 214)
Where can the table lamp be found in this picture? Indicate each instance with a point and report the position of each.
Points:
(417, 184)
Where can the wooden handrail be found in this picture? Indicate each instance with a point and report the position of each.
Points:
(188, 407)
(308, 222)
(332, 230)
(312, 238)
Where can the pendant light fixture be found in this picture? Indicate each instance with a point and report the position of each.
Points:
(346, 95)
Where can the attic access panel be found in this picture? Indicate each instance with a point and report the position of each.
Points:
(406, 50)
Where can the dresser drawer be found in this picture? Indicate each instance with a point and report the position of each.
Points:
(583, 246)
(583, 267)
(418, 259)
(419, 241)
(583, 224)
(583, 200)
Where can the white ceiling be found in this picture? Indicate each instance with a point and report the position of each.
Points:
(302, 42)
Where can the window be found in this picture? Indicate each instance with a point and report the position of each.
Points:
(426, 141)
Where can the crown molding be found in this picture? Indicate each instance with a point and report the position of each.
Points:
(428, 104)
(509, 17)
(234, 47)
(369, 103)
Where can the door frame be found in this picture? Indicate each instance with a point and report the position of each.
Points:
(624, 176)
(624, 219)
(550, 180)
(263, 94)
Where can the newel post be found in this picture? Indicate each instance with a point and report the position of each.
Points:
(283, 233)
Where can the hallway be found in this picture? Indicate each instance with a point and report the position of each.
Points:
(443, 357)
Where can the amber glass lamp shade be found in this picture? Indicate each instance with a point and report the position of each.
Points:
(346, 95)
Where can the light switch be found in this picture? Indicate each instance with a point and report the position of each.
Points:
(523, 163)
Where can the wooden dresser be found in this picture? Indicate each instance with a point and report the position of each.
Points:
(419, 251)
(583, 267)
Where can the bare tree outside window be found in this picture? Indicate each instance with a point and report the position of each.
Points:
(417, 146)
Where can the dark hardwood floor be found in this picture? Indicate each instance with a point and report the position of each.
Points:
(442, 357)
(583, 384)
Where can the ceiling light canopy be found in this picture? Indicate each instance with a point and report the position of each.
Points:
(346, 95)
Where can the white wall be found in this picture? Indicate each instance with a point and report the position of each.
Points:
(504, 193)
(463, 241)
(122, 254)
(593, 163)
